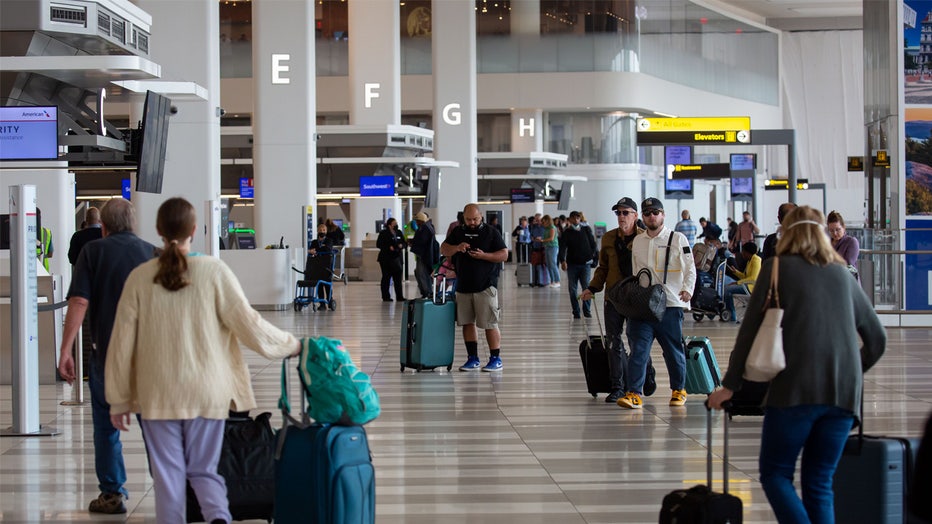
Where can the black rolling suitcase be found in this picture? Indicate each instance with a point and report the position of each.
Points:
(699, 504)
(594, 356)
(247, 464)
(873, 478)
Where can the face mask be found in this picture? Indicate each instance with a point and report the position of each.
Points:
(577, 227)
(321, 235)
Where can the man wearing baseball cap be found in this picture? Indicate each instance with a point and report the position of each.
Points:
(615, 266)
(422, 245)
(666, 254)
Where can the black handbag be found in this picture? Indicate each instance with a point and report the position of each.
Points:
(634, 300)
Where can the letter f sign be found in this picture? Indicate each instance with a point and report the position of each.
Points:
(371, 92)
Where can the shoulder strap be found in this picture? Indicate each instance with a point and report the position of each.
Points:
(773, 292)
(666, 262)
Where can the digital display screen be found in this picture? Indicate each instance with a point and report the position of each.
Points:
(246, 188)
(522, 194)
(681, 184)
(743, 161)
(126, 188)
(678, 155)
(29, 133)
(742, 186)
(377, 186)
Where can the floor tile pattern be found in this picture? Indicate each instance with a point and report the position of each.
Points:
(527, 445)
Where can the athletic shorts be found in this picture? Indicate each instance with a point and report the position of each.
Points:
(480, 308)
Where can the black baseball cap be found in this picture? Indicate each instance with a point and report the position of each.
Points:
(651, 203)
(625, 202)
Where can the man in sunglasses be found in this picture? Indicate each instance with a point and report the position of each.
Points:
(615, 266)
(666, 254)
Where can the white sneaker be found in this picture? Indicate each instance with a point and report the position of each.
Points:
(555, 284)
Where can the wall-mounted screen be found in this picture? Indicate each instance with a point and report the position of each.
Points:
(743, 161)
(682, 185)
(522, 194)
(377, 186)
(678, 155)
(29, 133)
(743, 186)
(566, 193)
(432, 189)
(153, 144)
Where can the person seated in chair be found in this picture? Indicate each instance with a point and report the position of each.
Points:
(748, 277)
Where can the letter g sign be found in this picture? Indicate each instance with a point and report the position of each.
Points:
(451, 114)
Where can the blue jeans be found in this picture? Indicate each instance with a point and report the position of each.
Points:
(550, 255)
(577, 274)
(730, 292)
(820, 432)
(108, 450)
(617, 356)
(669, 333)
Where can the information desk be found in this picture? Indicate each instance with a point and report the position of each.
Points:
(265, 275)
(50, 329)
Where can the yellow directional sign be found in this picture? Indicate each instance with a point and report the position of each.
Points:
(694, 130)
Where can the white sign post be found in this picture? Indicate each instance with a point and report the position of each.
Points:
(25, 315)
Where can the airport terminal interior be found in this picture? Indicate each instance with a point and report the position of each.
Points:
(271, 117)
(526, 445)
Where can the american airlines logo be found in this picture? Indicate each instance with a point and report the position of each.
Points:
(37, 113)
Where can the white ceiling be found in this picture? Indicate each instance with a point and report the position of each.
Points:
(795, 15)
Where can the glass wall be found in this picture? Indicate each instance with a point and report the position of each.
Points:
(592, 138)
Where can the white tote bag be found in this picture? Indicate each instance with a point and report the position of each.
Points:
(766, 358)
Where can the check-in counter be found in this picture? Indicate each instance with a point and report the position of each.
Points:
(264, 274)
(50, 329)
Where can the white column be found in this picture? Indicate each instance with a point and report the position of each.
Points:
(527, 134)
(284, 119)
(186, 44)
(366, 211)
(454, 67)
(374, 62)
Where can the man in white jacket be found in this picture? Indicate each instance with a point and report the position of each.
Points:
(667, 255)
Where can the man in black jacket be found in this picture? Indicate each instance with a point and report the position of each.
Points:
(770, 243)
(92, 231)
(422, 245)
(577, 250)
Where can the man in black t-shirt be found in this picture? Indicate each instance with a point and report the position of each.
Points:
(477, 251)
(97, 283)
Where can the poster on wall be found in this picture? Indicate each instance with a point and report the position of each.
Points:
(918, 156)
(917, 59)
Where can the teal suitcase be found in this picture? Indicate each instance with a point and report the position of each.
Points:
(702, 371)
(428, 331)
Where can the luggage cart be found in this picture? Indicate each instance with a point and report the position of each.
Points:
(340, 252)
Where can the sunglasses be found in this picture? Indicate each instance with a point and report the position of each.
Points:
(624, 213)
(654, 212)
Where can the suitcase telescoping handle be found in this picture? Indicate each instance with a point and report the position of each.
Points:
(598, 320)
(708, 463)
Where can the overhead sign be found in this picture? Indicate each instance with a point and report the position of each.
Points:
(377, 186)
(782, 183)
(855, 163)
(691, 171)
(522, 194)
(696, 130)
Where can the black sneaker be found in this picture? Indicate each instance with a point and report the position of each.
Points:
(108, 503)
(614, 396)
(650, 382)
(587, 314)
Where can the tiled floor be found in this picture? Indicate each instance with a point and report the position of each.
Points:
(521, 446)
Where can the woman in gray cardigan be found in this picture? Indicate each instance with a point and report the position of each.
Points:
(811, 404)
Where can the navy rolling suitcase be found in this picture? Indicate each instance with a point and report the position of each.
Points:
(702, 371)
(323, 472)
(872, 480)
(699, 504)
(428, 331)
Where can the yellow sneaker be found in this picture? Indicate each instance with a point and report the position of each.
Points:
(630, 401)
(678, 398)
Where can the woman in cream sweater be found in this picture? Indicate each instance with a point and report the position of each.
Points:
(174, 358)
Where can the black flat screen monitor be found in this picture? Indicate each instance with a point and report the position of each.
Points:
(432, 189)
(29, 133)
(742, 186)
(522, 194)
(678, 187)
(677, 155)
(565, 194)
(153, 143)
(743, 161)
(245, 242)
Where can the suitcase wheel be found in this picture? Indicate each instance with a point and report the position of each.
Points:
(594, 395)
(450, 368)
(402, 368)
